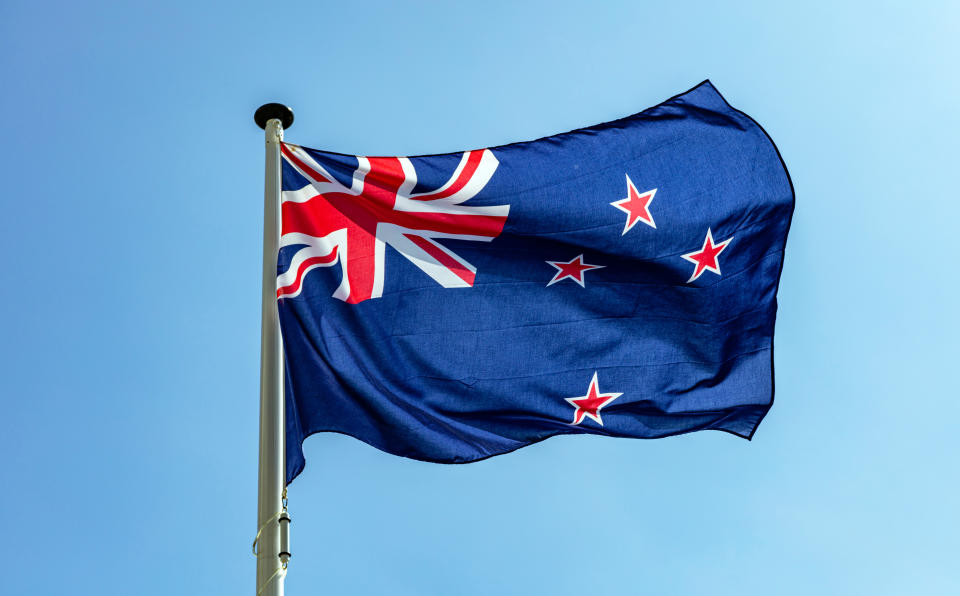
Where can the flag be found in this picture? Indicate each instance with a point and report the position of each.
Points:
(615, 280)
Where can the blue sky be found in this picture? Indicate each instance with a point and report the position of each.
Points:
(130, 242)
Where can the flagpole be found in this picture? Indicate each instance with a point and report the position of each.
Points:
(271, 507)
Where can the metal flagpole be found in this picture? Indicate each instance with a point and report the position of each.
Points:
(270, 544)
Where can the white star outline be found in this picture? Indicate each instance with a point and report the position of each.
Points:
(709, 239)
(595, 389)
(587, 267)
(619, 205)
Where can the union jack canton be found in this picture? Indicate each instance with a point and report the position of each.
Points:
(352, 226)
(618, 280)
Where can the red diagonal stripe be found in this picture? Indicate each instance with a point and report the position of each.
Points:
(469, 169)
(443, 258)
(292, 288)
(317, 177)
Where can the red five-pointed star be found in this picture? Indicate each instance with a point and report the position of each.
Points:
(705, 259)
(573, 269)
(636, 206)
(589, 405)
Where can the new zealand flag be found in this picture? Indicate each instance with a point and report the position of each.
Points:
(617, 280)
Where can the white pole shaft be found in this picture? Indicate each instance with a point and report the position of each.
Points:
(272, 468)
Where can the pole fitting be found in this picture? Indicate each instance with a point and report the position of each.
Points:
(269, 111)
(284, 521)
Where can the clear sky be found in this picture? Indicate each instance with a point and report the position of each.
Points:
(132, 178)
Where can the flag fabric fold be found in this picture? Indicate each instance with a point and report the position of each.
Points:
(618, 280)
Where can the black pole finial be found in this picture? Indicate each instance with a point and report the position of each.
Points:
(269, 111)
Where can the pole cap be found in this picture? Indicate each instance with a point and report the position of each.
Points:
(269, 111)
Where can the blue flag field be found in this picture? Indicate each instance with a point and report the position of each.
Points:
(617, 280)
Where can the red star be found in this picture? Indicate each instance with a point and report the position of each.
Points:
(590, 404)
(705, 259)
(636, 206)
(573, 269)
